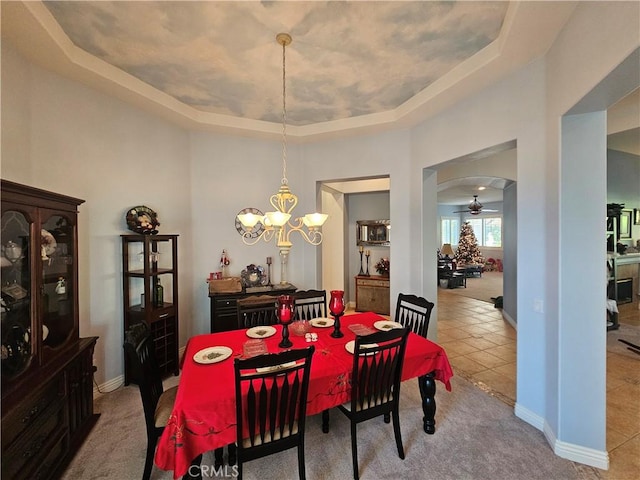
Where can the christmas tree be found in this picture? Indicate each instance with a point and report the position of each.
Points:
(468, 251)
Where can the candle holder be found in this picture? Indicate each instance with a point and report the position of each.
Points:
(336, 307)
(367, 254)
(269, 262)
(361, 272)
(285, 315)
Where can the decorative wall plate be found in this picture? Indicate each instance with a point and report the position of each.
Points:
(143, 220)
(256, 231)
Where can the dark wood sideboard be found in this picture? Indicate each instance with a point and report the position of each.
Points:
(224, 306)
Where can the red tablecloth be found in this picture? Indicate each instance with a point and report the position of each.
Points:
(204, 415)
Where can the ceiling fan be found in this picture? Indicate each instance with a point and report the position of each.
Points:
(475, 207)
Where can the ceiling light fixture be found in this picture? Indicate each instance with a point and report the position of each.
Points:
(277, 224)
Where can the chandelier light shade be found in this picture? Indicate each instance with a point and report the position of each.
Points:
(278, 224)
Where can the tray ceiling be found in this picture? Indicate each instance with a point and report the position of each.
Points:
(351, 65)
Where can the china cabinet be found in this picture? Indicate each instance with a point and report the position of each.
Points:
(47, 370)
(372, 294)
(150, 294)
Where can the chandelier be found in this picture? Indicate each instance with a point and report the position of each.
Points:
(278, 224)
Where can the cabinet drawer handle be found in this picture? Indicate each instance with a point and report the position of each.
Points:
(33, 450)
(164, 315)
(34, 411)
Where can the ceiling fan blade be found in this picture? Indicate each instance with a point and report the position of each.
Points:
(475, 212)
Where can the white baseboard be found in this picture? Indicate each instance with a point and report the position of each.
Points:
(580, 454)
(528, 416)
(575, 453)
(114, 383)
(511, 321)
(108, 386)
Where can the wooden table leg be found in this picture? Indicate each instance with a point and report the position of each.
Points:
(217, 457)
(427, 385)
(325, 421)
(194, 472)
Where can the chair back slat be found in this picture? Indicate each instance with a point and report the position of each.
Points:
(257, 311)
(310, 304)
(377, 370)
(414, 313)
(271, 402)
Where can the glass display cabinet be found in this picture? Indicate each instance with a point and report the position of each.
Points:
(47, 369)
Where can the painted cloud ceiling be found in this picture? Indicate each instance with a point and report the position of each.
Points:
(347, 58)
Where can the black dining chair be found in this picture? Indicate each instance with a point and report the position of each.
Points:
(271, 405)
(375, 384)
(310, 304)
(257, 311)
(157, 403)
(414, 313)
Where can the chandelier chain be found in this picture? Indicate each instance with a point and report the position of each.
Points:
(284, 116)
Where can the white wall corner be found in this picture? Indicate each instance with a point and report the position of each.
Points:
(510, 320)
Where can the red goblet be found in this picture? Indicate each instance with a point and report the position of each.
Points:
(285, 315)
(336, 307)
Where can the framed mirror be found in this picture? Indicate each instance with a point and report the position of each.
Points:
(374, 232)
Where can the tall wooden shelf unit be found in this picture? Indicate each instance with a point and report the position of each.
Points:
(47, 369)
(147, 259)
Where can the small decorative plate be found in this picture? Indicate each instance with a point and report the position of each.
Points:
(350, 346)
(322, 322)
(275, 367)
(385, 325)
(261, 332)
(143, 220)
(49, 243)
(212, 355)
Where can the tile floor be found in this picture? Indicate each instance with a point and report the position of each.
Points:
(481, 346)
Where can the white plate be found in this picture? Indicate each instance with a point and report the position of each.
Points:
(261, 332)
(322, 322)
(275, 367)
(386, 325)
(351, 345)
(212, 355)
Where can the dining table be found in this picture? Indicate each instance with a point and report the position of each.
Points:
(204, 412)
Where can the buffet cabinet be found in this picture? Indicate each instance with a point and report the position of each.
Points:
(372, 294)
(224, 306)
(47, 370)
(150, 294)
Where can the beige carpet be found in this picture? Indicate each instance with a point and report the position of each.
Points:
(477, 438)
(481, 288)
